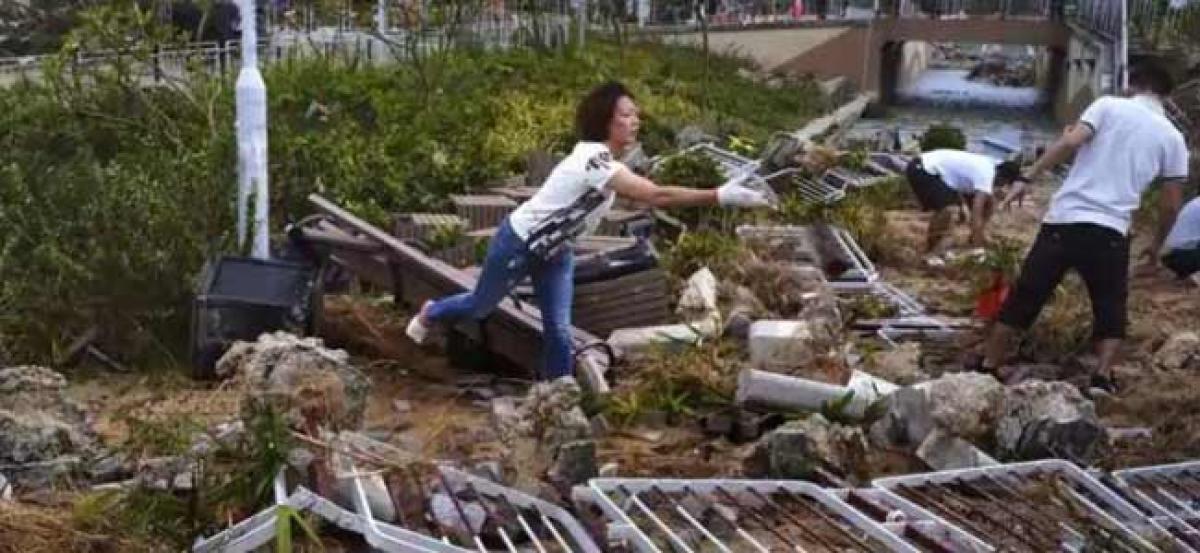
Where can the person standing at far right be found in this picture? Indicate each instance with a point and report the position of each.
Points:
(1121, 146)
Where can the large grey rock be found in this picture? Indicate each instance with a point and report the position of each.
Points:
(796, 448)
(574, 463)
(1049, 419)
(961, 404)
(1180, 351)
(944, 451)
(546, 433)
(299, 377)
(43, 434)
(907, 421)
(966, 404)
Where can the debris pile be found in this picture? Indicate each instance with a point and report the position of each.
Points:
(44, 435)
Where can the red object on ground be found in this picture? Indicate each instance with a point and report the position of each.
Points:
(987, 304)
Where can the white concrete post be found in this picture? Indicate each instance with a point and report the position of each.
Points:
(1123, 71)
(251, 127)
(381, 21)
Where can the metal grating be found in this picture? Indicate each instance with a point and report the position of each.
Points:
(476, 515)
(917, 527)
(1170, 494)
(1049, 505)
(655, 515)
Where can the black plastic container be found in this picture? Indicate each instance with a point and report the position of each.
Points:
(239, 298)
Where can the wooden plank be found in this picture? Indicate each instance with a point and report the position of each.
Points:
(508, 326)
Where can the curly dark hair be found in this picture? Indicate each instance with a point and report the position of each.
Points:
(595, 111)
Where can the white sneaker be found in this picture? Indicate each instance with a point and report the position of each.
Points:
(416, 330)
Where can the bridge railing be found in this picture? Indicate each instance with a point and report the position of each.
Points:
(747, 12)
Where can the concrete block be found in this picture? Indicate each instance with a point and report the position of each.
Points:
(781, 345)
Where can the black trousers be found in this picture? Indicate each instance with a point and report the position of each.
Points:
(1098, 253)
(931, 191)
(1183, 262)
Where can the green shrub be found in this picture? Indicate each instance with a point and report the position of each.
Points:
(943, 137)
(112, 195)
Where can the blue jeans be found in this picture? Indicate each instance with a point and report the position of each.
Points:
(508, 262)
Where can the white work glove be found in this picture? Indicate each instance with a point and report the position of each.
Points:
(734, 193)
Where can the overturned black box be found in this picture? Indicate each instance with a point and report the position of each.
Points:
(239, 298)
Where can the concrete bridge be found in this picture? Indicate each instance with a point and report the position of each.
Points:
(1082, 57)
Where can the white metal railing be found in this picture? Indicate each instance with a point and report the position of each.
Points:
(213, 58)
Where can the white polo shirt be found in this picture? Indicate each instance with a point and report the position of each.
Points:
(1185, 235)
(589, 167)
(1134, 144)
(965, 172)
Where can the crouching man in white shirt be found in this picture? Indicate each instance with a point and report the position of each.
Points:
(1181, 249)
(1121, 146)
(941, 179)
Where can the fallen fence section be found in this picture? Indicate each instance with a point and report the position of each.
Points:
(1049, 505)
(547, 526)
(512, 331)
(916, 526)
(1171, 495)
(734, 515)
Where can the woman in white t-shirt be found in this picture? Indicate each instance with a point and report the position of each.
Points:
(536, 239)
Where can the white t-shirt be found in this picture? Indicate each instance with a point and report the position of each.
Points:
(589, 167)
(965, 172)
(1133, 145)
(1185, 235)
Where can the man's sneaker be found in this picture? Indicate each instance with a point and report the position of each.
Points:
(417, 330)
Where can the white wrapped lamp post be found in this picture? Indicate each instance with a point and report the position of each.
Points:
(251, 126)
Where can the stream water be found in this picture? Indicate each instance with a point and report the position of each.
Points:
(997, 120)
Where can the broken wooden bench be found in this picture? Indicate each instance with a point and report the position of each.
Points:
(512, 332)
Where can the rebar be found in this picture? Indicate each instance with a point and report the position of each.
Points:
(954, 516)
(1048, 533)
(784, 513)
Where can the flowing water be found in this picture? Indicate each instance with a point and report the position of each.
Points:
(997, 120)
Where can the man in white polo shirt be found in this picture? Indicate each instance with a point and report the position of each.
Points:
(940, 178)
(1181, 249)
(1121, 146)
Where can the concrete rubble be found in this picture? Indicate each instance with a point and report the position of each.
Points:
(966, 405)
(901, 365)
(1049, 419)
(301, 377)
(943, 451)
(796, 448)
(44, 435)
(546, 435)
(1180, 351)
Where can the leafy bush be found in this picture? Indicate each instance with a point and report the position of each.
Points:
(943, 137)
(115, 193)
(692, 169)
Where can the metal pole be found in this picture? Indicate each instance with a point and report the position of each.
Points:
(251, 125)
(1123, 75)
(381, 21)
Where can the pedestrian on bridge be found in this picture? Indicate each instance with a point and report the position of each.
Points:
(536, 239)
(941, 179)
(1121, 145)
